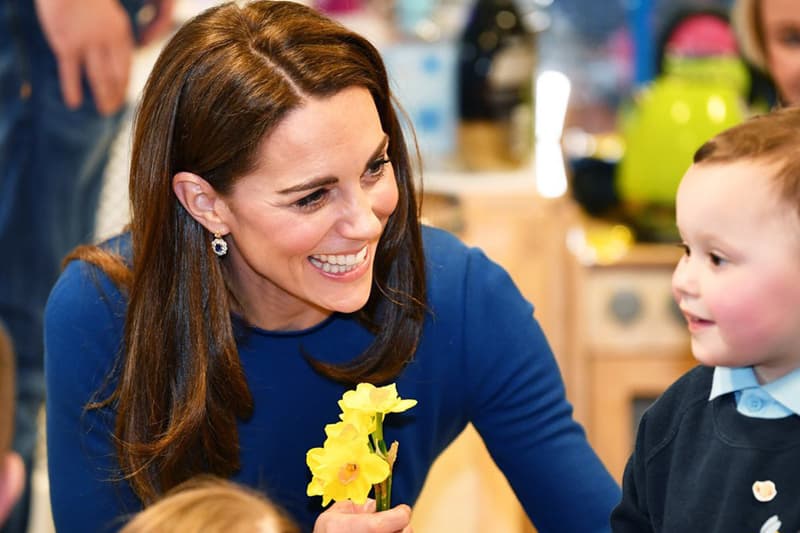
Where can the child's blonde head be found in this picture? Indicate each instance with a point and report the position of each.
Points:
(211, 505)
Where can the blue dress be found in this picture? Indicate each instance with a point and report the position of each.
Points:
(482, 358)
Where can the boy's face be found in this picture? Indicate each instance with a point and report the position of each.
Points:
(738, 284)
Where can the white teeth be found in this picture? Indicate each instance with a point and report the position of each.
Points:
(336, 264)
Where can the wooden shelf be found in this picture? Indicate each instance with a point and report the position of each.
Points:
(615, 358)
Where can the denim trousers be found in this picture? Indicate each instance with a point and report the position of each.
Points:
(51, 168)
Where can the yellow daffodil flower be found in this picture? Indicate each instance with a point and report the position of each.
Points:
(344, 470)
(347, 432)
(369, 398)
(354, 458)
(364, 421)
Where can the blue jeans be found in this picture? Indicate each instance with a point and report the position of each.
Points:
(51, 167)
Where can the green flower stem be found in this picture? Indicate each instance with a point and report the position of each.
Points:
(383, 490)
(383, 494)
(379, 497)
(388, 491)
(377, 435)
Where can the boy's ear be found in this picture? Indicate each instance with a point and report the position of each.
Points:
(12, 481)
(201, 201)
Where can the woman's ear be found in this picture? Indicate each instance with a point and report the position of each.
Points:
(201, 201)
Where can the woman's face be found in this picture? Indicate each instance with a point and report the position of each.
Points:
(305, 224)
(781, 26)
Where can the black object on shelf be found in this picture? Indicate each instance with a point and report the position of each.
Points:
(496, 63)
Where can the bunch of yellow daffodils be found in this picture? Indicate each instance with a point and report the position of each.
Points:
(354, 457)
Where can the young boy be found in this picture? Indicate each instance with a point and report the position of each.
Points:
(720, 449)
(12, 470)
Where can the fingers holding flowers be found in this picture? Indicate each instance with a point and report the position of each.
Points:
(349, 517)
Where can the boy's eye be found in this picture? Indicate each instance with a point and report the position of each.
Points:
(685, 247)
(716, 260)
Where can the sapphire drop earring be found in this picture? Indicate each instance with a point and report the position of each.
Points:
(219, 245)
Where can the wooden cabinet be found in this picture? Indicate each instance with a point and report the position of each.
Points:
(523, 232)
(627, 342)
(613, 327)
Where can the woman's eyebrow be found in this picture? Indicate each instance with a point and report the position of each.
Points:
(331, 180)
(313, 183)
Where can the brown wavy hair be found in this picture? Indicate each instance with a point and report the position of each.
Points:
(220, 86)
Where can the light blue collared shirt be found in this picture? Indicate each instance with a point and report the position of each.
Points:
(777, 399)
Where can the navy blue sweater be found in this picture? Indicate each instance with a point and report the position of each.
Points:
(482, 358)
(695, 463)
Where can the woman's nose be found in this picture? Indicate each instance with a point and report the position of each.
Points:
(359, 220)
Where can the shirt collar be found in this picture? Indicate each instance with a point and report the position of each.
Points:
(785, 390)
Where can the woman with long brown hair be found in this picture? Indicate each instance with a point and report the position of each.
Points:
(274, 259)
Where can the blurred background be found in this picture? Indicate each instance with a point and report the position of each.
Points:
(611, 97)
(551, 133)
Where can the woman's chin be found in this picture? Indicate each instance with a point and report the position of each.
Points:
(350, 305)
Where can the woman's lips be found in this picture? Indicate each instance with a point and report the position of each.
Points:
(342, 267)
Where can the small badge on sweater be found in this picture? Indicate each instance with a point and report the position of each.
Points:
(764, 491)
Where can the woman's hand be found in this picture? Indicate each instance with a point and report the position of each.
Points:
(347, 517)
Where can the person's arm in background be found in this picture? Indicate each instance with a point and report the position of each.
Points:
(159, 20)
(96, 38)
(12, 469)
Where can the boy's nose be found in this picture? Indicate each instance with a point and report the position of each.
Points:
(683, 279)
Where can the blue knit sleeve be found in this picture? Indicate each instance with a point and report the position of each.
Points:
(83, 325)
(519, 408)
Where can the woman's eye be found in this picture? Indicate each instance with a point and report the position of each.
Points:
(313, 200)
(377, 167)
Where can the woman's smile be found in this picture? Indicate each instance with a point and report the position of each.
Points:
(340, 264)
